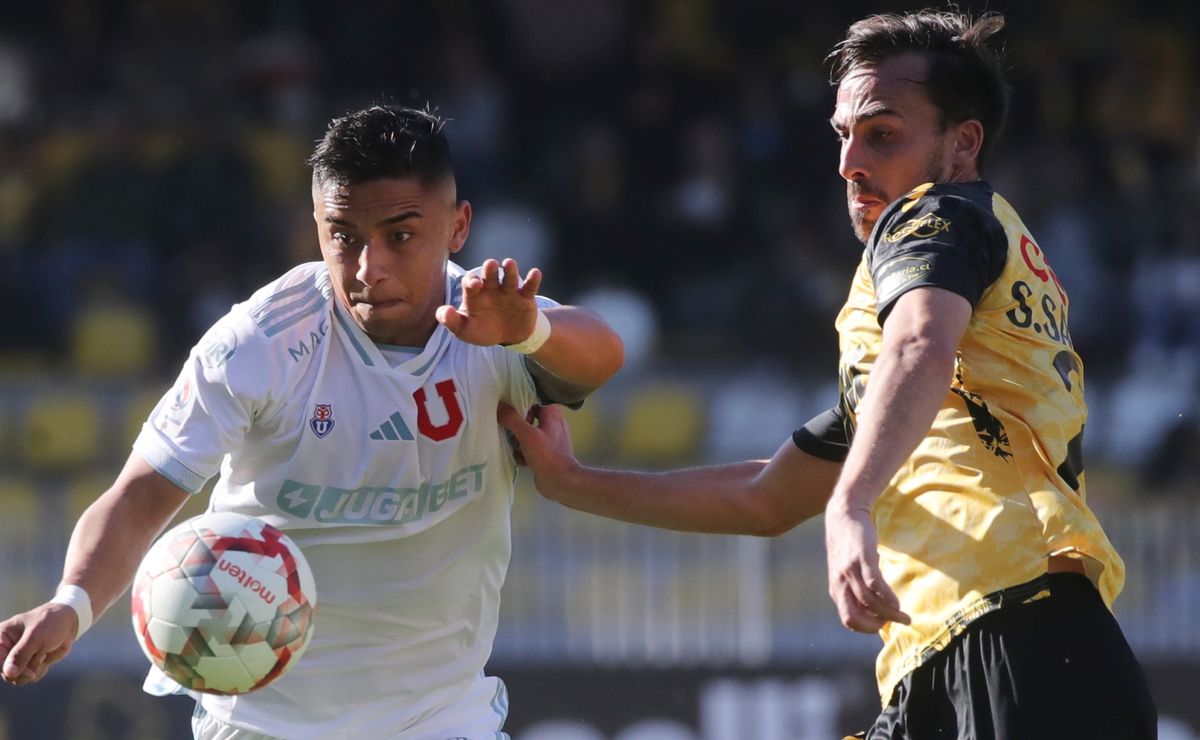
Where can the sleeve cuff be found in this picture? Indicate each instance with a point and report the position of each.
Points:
(158, 457)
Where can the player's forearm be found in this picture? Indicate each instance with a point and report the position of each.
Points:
(719, 499)
(103, 554)
(907, 387)
(113, 534)
(582, 349)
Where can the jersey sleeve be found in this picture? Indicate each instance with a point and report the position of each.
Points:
(824, 435)
(936, 241)
(222, 390)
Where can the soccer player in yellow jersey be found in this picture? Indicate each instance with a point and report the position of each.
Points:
(951, 471)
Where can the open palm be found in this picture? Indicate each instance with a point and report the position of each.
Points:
(496, 308)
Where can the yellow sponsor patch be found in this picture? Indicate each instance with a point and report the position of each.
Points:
(922, 228)
(900, 273)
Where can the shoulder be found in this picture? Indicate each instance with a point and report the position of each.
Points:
(255, 337)
(945, 236)
(944, 212)
(300, 294)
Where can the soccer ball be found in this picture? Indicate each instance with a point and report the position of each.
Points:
(223, 603)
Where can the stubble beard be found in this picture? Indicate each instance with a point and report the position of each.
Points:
(862, 227)
(934, 172)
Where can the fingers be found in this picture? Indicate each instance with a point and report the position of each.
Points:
(533, 282)
(864, 601)
(490, 272)
(449, 317)
(31, 642)
(853, 615)
(15, 650)
(506, 276)
(34, 670)
(511, 419)
(512, 279)
(22, 661)
(547, 422)
(551, 417)
(472, 284)
(880, 598)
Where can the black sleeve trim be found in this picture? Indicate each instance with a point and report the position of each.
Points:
(824, 436)
(553, 389)
(942, 240)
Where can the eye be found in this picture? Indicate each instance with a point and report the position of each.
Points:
(881, 134)
(400, 237)
(344, 241)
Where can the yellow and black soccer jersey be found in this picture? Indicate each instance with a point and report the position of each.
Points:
(997, 484)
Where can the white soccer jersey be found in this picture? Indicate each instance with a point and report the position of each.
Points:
(395, 481)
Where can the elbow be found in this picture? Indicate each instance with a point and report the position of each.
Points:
(613, 358)
(773, 531)
(775, 520)
(604, 346)
(774, 504)
(607, 359)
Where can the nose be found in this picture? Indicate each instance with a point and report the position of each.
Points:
(372, 264)
(853, 161)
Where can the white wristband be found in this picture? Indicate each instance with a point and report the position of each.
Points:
(534, 342)
(78, 599)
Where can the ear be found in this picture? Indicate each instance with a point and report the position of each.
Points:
(462, 226)
(968, 141)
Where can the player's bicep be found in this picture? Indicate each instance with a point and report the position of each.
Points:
(936, 315)
(209, 411)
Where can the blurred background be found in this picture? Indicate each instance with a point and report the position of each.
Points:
(668, 163)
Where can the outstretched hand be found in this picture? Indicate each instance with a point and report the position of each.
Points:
(494, 310)
(544, 447)
(864, 600)
(33, 641)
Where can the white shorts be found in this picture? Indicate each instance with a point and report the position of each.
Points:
(478, 714)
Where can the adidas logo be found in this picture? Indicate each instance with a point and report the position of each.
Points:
(393, 429)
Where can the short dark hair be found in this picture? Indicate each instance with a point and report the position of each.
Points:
(965, 75)
(383, 142)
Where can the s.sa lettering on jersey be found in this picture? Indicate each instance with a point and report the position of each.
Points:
(1041, 301)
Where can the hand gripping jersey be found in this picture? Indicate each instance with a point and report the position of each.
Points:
(395, 481)
(997, 484)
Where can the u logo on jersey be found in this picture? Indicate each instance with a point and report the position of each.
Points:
(454, 416)
(322, 419)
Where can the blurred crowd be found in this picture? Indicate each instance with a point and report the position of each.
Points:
(669, 162)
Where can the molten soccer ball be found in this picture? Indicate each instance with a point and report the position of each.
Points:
(223, 603)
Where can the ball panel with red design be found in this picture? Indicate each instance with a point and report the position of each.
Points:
(223, 603)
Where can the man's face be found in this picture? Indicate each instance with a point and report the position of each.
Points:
(386, 243)
(891, 138)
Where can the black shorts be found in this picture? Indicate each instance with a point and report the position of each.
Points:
(1054, 668)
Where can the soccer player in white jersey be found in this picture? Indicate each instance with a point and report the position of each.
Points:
(352, 403)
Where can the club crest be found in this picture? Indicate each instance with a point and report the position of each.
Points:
(322, 419)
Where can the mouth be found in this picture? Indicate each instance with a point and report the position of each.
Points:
(375, 304)
(862, 196)
(864, 203)
(864, 200)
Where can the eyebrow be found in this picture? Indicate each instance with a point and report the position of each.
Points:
(385, 222)
(870, 113)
